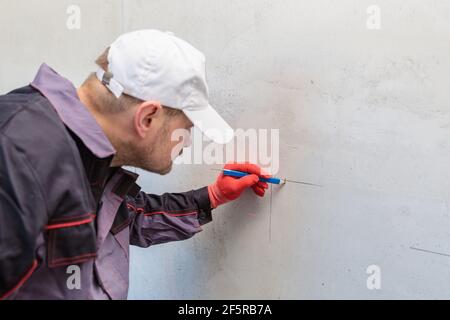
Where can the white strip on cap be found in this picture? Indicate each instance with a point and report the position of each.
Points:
(113, 86)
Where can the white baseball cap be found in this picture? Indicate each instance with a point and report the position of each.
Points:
(158, 66)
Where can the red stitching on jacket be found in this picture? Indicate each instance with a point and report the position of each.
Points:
(67, 225)
(135, 209)
(22, 281)
(171, 214)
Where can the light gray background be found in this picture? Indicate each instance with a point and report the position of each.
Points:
(363, 112)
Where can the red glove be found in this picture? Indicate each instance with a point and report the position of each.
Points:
(227, 188)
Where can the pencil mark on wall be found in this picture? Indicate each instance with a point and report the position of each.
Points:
(447, 207)
(429, 251)
(270, 215)
(270, 201)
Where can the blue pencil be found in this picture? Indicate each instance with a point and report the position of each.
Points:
(239, 174)
(273, 180)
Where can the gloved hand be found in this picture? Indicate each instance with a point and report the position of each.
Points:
(227, 188)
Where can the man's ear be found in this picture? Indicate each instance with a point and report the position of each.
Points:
(144, 116)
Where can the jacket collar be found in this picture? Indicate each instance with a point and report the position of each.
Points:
(63, 96)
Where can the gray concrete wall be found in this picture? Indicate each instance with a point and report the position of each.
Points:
(363, 111)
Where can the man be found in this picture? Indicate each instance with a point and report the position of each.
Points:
(66, 203)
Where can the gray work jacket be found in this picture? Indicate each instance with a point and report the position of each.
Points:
(64, 210)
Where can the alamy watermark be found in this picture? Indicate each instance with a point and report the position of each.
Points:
(73, 21)
(373, 281)
(260, 146)
(74, 279)
(374, 17)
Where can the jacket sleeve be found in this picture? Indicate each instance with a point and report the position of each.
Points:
(168, 217)
(22, 216)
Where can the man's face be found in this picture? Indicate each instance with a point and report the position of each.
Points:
(164, 141)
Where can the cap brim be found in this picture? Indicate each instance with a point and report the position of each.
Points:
(211, 124)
